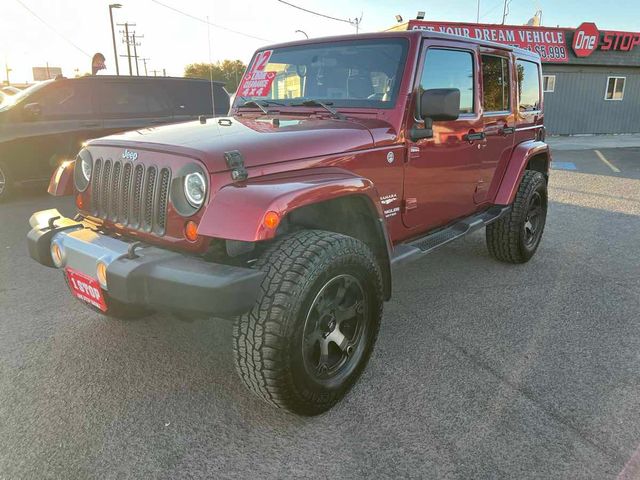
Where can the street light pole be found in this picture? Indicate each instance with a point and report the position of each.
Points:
(304, 33)
(113, 34)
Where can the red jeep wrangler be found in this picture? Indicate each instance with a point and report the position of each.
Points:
(341, 159)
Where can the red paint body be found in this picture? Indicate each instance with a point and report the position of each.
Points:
(310, 157)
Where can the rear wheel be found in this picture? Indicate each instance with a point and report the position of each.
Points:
(6, 184)
(516, 236)
(313, 328)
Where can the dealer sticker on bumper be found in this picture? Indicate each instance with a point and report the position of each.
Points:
(86, 288)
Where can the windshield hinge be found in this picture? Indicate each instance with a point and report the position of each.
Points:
(235, 161)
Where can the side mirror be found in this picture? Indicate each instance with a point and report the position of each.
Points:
(32, 111)
(436, 104)
(440, 104)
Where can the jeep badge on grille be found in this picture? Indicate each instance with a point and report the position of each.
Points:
(129, 155)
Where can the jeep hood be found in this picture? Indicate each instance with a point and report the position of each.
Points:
(260, 140)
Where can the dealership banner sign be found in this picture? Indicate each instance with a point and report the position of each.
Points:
(549, 43)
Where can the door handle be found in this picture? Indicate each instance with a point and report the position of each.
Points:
(473, 136)
(508, 130)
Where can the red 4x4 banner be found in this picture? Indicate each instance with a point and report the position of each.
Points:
(256, 82)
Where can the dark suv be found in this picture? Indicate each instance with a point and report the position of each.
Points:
(47, 123)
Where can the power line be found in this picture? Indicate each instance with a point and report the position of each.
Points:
(317, 13)
(53, 29)
(193, 17)
(499, 4)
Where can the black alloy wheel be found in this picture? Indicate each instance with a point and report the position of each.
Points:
(334, 327)
(533, 221)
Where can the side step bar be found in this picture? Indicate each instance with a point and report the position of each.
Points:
(407, 252)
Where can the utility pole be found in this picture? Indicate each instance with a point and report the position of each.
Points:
(144, 61)
(505, 11)
(113, 34)
(127, 40)
(478, 13)
(135, 50)
(7, 70)
(155, 72)
(356, 23)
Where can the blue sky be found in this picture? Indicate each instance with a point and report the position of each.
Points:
(172, 40)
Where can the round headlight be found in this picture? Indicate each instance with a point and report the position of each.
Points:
(86, 165)
(83, 169)
(195, 188)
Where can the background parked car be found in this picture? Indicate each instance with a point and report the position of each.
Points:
(9, 90)
(48, 122)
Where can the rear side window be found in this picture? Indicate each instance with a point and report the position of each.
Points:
(528, 86)
(450, 69)
(133, 99)
(69, 100)
(496, 87)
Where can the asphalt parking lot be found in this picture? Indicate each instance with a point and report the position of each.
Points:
(481, 370)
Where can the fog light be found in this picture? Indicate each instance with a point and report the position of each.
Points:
(56, 255)
(191, 231)
(101, 272)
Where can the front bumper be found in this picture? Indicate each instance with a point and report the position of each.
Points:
(147, 276)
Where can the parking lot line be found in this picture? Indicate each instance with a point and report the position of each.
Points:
(607, 162)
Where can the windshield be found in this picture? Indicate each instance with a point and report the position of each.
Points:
(354, 73)
(10, 101)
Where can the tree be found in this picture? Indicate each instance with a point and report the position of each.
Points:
(228, 71)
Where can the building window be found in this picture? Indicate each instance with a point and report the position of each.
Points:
(528, 86)
(495, 84)
(615, 88)
(548, 83)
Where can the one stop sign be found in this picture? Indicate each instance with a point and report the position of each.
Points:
(585, 39)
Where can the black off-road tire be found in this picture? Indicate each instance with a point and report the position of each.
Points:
(268, 341)
(6, 183)
(509, 239)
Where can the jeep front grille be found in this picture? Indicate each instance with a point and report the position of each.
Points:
(135, 196)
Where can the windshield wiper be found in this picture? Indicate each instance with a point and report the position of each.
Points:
(318, 103)
(261, 104)
(255, 103)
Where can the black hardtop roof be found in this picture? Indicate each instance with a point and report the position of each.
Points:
(407, 34)
(136, 78)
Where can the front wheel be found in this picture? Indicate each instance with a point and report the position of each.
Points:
(516, 236)
(312, 330)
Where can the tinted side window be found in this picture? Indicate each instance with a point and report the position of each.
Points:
(496, 89)
(66, 101)
(132, 99)
(194, 98)
(450, 69)
(528, 86)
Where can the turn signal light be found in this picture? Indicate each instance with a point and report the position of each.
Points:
(271, 220)
(191, 231)
(101, 272)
